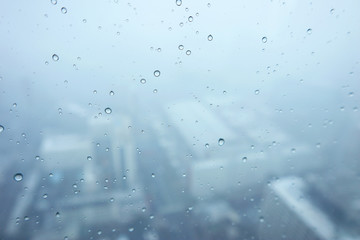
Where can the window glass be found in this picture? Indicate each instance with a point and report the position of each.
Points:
(179, 119)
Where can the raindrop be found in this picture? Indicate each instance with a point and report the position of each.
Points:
(26, 218)
(309, 31)
(261, 219)
(55, 57)
(108, 110)
(153, 175)
(89, 158)
(63, 10)
(51, 174)
(131, 229)
(57, 214)
(188, 52)
(156, 73)
(84, 20)
(190, 19)
(54, 2)
(264, 39)
(143, 80)
(181, 47)
(111, 93)
(45, 196)
(210, 37)
(143, 209)
(1, 128)
(178, 2)
(18, 177)
(221, 141)
(293, 150)
(155, 90)
(207, 145)
(244, 159)
(257, 91)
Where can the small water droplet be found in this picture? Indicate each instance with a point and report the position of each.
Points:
(63, 10)
(153, 175)
(188, 52)
(84, 20)
(210, 37)
(332, 11)
(181, 47)
(111, 93)
(51, 174)
(54, 2)
(207, 145)
(1, 128)
(221, 141)
(37, 157)
(143, 80)
(178, 2)
(131, 229)
(26, 218)
(155, 90)
(18, 177)
(244, 159)
(143, 209)
(264, 39)
(257, 91)
(57, 214)
(89, 158)
(261, 219)
(55, 57)
(45, 196)
(156, 73)
(293, 150)
(309, 31)
(108, 110)
(190, 18)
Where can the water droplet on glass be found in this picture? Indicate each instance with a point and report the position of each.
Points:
(155, 90)
(261, 219)
(178, 2)
(89, 158)
(181, 47)
(188, 52)
(257, 91)
(45, 196)
(1, 128)
(264, 39)
(156, 73)
(63, 10)
(111, 93)
(18, 177)
(143, 80)
(293, 150)
(54, 2)
(309, 31)
(84, 20)
(207, 145)
(26, 218)
(55, 57)
(153, 175)
(131, 229)
(221, 141)
(210, 37)
(143, 209)
(244, 159)
(57, 214)
(51, 174)
(190, 18)
(108, 110)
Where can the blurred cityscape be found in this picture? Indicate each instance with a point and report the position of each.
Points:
(193, 170)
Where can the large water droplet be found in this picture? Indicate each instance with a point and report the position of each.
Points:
(264, 39)
(178, 2)
(55, 57)
(18, 177)
(63, 10)
(210, 37)
(156, 73)
(108, 110)
(221, 141)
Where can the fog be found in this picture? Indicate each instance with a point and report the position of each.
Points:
(251, 129)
